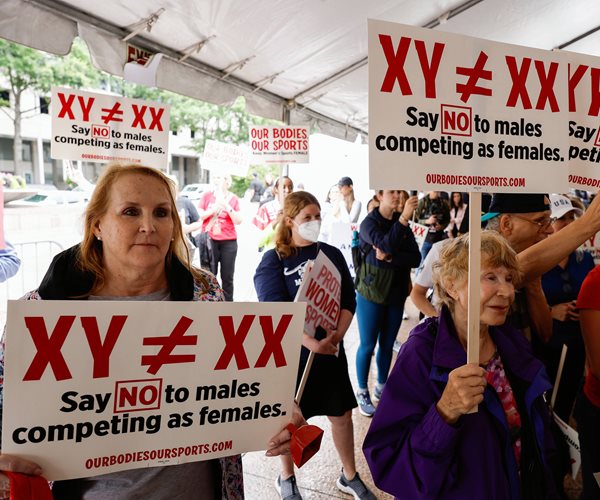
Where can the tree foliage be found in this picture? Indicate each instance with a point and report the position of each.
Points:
(26, 68)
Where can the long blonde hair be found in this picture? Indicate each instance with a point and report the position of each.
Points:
(90, 258)
(349, 199)
(292, 206)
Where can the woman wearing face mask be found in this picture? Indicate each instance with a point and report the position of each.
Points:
(328, 389)
(383, 283)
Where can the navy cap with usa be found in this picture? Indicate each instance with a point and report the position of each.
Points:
(516, 203)
(345, 181)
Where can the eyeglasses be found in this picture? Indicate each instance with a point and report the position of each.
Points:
(542, 224)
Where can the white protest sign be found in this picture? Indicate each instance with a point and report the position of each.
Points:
(321, 289)
(103, 128)
(584, 108)
(419, 231)
(451, 112)
(224, 158)
(92, 387)
(285, 144)
(572, 439)
(593, 246)
(341, 237)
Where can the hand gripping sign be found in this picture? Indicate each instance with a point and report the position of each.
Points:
(124, 385)
(322, 292)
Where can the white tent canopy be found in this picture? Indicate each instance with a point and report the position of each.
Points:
(301, 62)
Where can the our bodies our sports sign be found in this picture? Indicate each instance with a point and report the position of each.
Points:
(94, 387)
(453, 112)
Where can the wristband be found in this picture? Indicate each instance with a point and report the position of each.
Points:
(403, 219)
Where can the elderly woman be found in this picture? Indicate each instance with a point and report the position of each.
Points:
(133, 249)
(424, 441)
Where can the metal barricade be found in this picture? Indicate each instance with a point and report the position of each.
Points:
(35, 258)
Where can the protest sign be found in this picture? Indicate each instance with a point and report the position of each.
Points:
(103, 128)
(222, 158)
(341, 237)
(452, 112)
(572, 439)
(419, 232)
(584, 108)
(274, 144)
(593, 246)
(92, 387)
(322, 292)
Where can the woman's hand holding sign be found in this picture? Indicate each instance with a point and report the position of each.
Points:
(11, 463)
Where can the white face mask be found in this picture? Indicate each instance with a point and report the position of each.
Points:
(309, 230)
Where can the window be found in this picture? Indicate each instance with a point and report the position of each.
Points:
(6, 149)
(4, 96)
(46, 149)
(26, 151)
(44, 103)
(192, 133)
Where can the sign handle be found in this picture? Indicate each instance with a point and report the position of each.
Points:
(474, 279)
(309, 362)
(561, 363)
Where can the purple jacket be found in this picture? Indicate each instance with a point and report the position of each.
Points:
(413, 453)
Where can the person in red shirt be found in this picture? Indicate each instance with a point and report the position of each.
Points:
(587, 408)
(220, 211)
(268, 212)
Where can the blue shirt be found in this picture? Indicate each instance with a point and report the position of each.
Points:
(9, 262)
(278, 280)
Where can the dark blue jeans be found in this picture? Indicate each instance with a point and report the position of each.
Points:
(587, 416)
(377, 323)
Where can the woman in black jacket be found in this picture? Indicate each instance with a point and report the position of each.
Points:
(383, 283)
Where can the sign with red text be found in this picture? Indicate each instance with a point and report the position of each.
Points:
(285, 144)
(341, 238)
(92, 387)
(452, 112)
(222, 158)
(584, 133)
(138, 55)
(419, 231)
(322, 292)
(593, 246)
(572, 438)
(104, 128)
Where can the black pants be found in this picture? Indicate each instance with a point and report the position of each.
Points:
(224, 252)
(587, 417)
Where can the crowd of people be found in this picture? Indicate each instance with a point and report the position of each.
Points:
(441, 427)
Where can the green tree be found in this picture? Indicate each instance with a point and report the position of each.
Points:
(29, 69)
(23, 68)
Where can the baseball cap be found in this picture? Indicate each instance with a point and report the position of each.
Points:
(345, 181)
(561, 205)
(516, 203)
